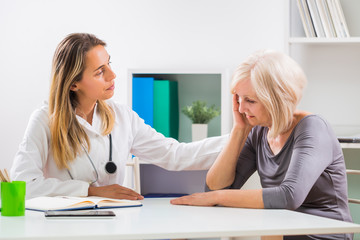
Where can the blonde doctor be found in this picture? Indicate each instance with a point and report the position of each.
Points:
(78, 143)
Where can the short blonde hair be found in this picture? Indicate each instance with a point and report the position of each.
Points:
(278, 82)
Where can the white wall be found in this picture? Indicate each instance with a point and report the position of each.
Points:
(140, 34)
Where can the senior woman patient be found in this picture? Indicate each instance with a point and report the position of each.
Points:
(296, 153)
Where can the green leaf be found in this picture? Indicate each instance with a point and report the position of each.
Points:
(198, 112)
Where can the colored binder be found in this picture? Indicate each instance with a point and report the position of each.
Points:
(143, 98)
(166, 108)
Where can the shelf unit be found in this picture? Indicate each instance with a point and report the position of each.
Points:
(294, 32)
(184, 75)
(331, 65)
(213, 86)
(332, 68)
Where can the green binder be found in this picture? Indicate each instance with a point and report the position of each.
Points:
(166, 108)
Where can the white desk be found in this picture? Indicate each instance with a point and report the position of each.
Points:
(159, 219)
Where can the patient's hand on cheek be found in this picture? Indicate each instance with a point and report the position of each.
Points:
(239, 119)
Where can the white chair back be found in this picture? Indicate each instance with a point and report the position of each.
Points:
(134, 163)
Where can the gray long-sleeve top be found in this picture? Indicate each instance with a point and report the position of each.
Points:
(308, 174)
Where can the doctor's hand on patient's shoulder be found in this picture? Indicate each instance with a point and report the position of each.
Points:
(114, 191)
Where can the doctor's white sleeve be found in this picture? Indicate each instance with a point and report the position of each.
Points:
(30, 162)
(168, 153)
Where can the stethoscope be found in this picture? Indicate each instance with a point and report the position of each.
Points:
(110, 166)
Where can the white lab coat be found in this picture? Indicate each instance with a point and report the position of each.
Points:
(34, 162)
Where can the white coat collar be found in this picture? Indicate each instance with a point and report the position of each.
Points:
(95, 127)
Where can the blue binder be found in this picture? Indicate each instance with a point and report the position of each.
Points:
(143, 98)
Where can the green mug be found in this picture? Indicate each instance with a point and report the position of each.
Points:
(13, 198)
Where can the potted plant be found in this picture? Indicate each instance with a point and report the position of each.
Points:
(200, 115)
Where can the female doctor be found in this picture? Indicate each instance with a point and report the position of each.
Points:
(78, 144)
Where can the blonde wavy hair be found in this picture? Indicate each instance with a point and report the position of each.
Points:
(278, 82)
(68, 65)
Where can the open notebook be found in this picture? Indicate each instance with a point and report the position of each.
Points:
(62, 203)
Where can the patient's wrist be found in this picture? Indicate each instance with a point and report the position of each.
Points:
(217, 196)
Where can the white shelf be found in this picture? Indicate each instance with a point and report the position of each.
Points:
(350, 145)
(304, 40)
(331, 66)
(307, 51)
